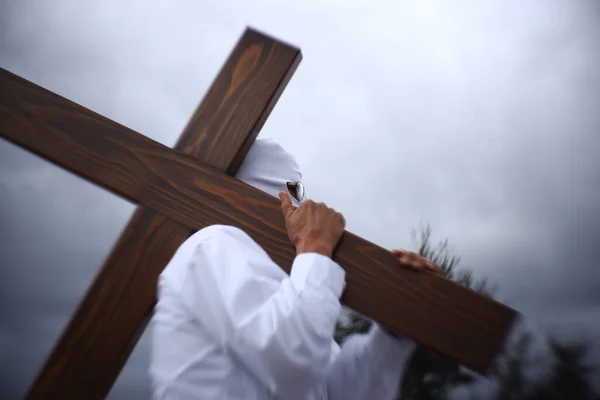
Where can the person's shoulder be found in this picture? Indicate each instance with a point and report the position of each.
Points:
(214, 240)
(216, 235)
(219, 239)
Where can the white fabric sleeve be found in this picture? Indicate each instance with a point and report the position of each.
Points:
(279, 327)
(369, 366)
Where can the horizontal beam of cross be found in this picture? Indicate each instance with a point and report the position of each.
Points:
(442, 314)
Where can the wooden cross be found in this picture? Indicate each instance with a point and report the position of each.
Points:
(190, 187)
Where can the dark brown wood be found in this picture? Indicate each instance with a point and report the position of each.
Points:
(433, 310)
(108, 322)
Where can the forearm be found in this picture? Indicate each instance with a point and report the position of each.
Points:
(281, 329)
(289, 336)
(369, 366)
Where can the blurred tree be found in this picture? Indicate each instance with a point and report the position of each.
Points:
(429, 374)
(510, 372)
(351, 323)
(569, 375)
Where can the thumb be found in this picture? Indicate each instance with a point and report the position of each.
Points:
(286, 205)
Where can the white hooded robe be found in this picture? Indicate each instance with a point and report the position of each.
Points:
(230, 324)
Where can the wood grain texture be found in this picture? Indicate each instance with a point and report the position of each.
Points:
(431, 309)
(239, 101)
(114, 312)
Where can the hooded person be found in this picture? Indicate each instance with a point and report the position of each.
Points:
(231, 324)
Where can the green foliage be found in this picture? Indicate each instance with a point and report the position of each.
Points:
(441, 255)
(510, 371)
(355, 324)
(569, 375)
(566, 379)
(430, 374)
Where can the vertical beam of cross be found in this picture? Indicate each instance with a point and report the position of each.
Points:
(113, 314)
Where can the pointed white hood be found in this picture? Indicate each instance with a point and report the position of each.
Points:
(269, 167)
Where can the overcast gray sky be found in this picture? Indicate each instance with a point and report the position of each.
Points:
(480, 118)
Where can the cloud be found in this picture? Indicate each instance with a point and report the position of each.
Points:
(480, 118)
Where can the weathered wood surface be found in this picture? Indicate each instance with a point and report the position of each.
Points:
(451, 319)
(108, 322)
